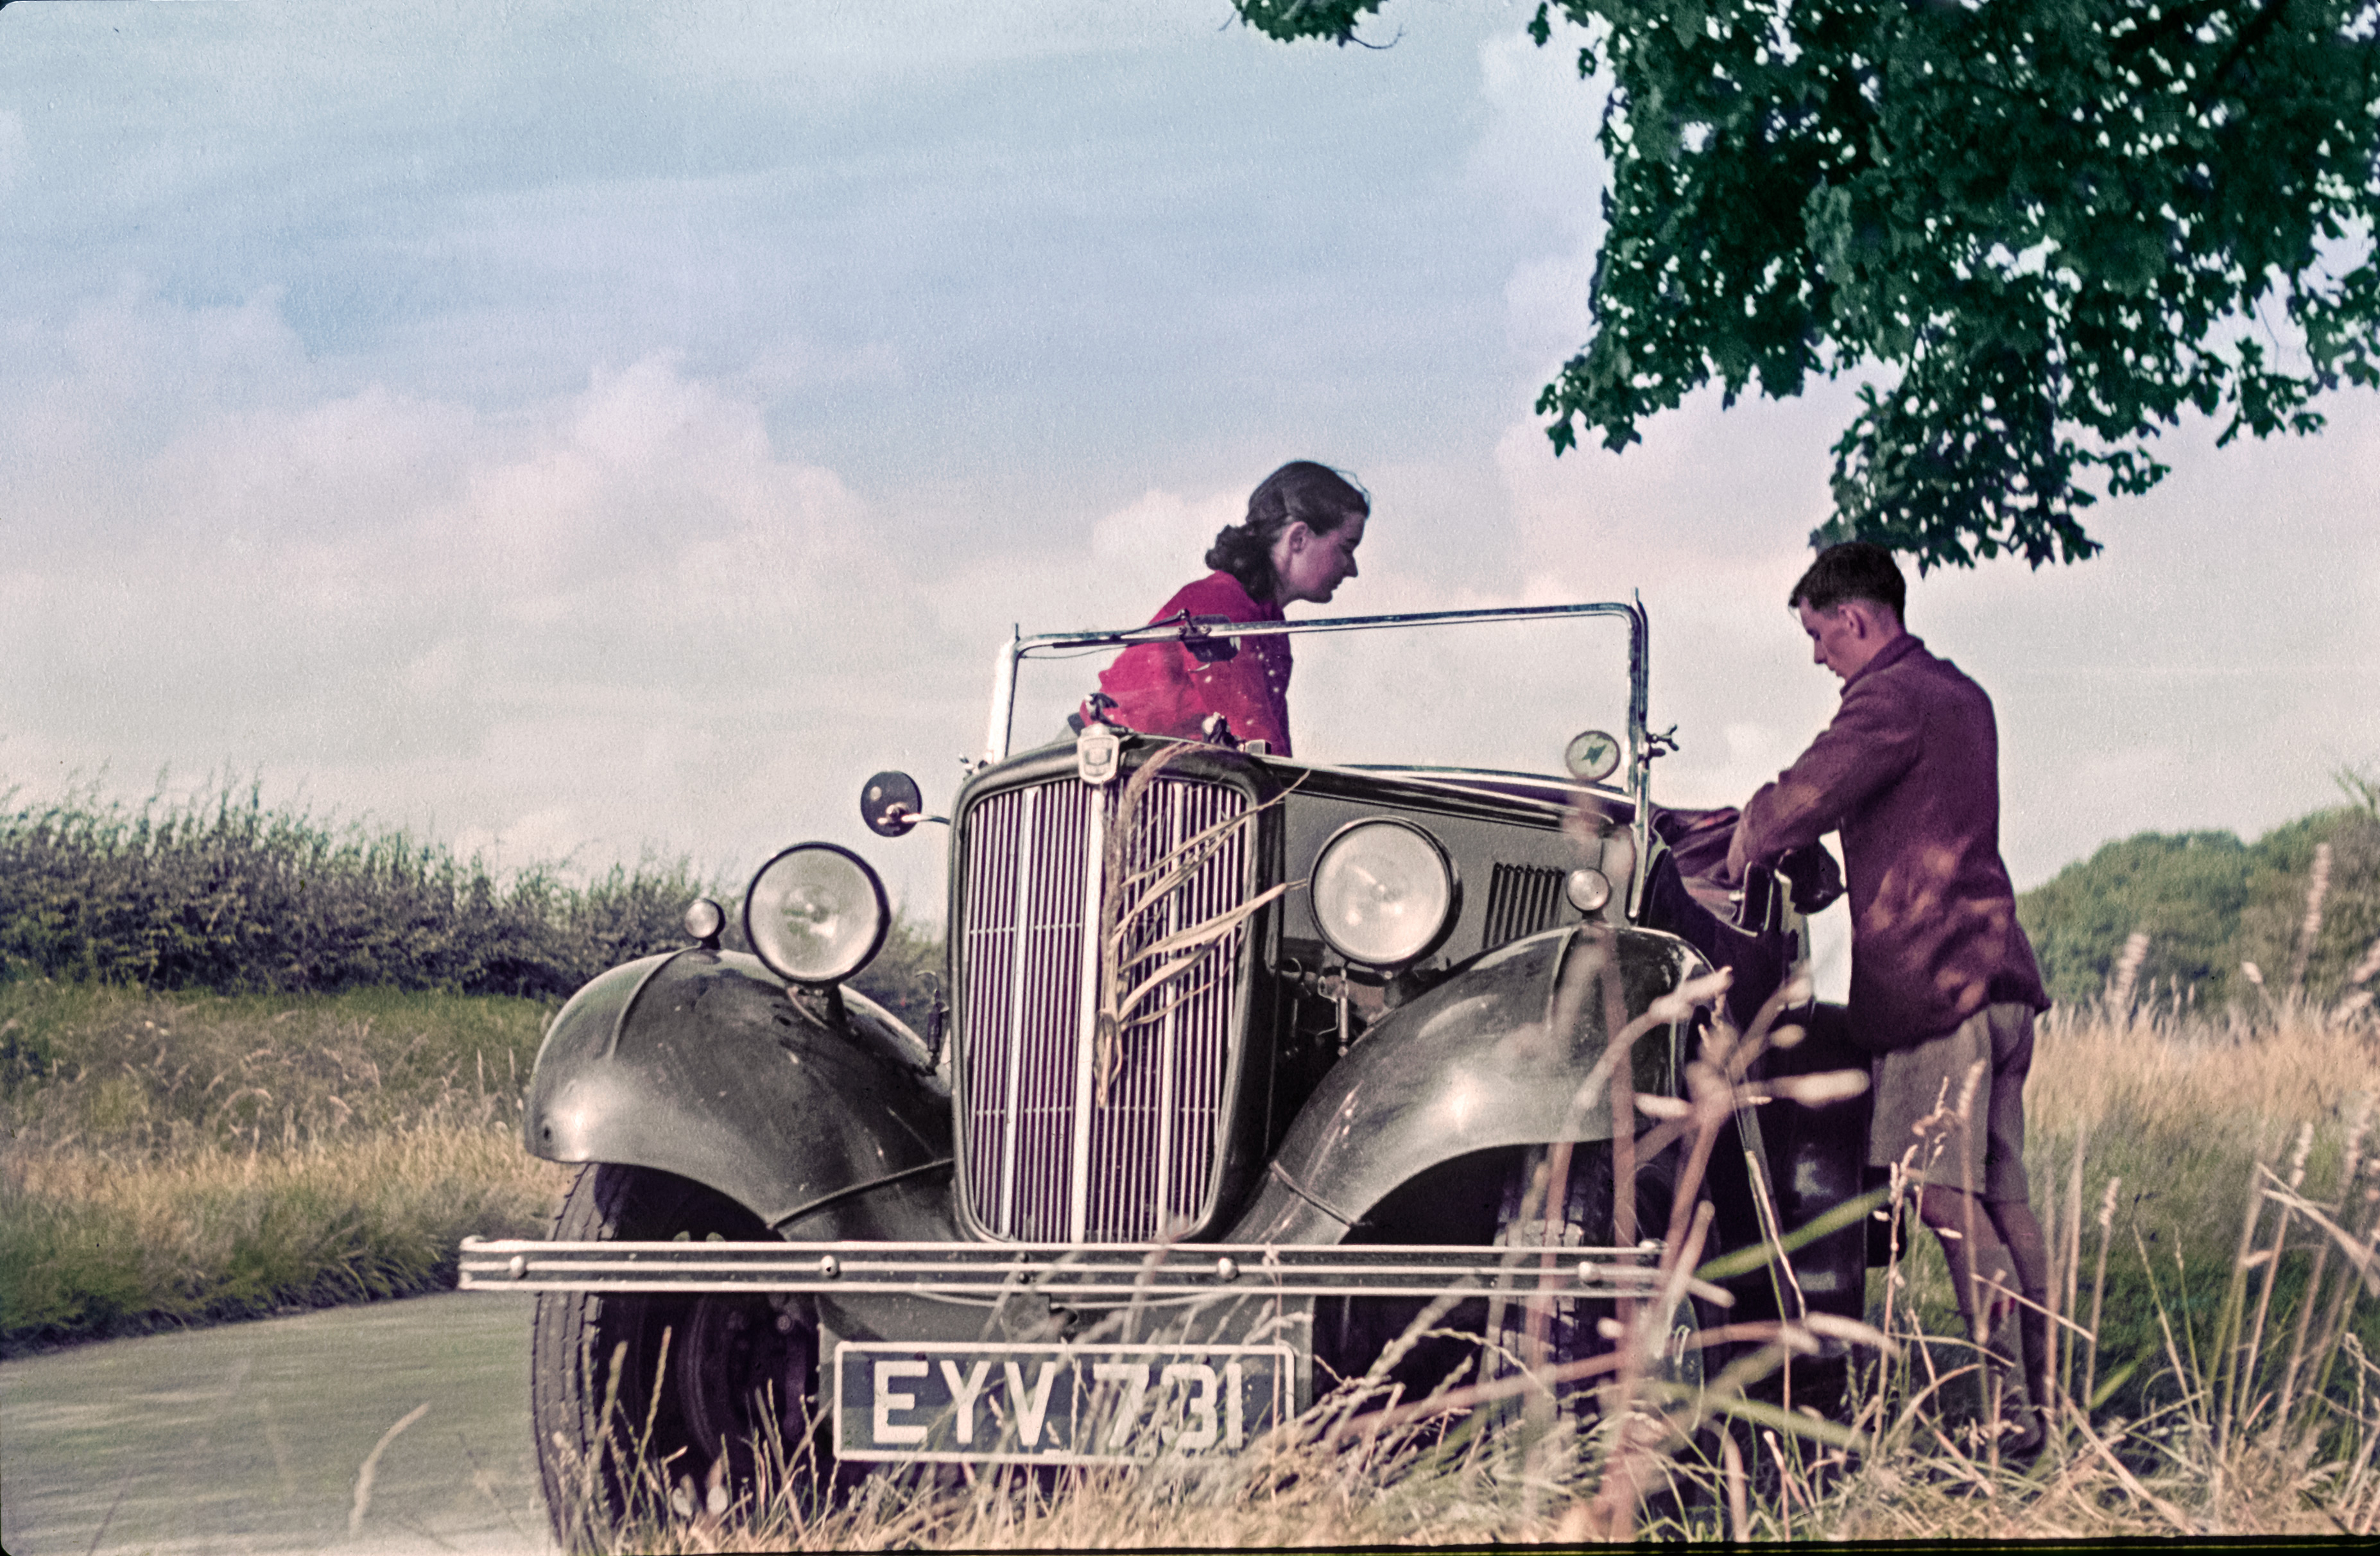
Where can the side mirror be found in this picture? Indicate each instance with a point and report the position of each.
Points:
(890, 804)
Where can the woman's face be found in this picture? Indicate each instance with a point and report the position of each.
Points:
(1310, 566)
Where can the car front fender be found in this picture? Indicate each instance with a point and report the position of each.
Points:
(815, 1112)
(1494, 1057)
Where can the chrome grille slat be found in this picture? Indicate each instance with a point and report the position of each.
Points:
(1086, 1005)
(1021, 869)
(988, 944)
(1039, 1165)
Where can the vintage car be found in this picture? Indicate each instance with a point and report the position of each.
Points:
(1243, 1061)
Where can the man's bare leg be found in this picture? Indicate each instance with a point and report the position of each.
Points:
(2020, 1233)
(1996, 1254)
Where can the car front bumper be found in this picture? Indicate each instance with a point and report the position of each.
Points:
(1101, 1275)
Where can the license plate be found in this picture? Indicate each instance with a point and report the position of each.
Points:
(1003, 1404)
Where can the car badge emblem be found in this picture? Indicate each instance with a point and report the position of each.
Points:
(1098, 751)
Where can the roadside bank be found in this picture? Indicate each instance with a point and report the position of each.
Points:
(182, 1159)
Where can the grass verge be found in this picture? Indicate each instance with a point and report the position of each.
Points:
(172, 1160)
(91, 1246)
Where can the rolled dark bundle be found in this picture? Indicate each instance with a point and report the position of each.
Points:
(1734, 925)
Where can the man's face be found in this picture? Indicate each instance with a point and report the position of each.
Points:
(1842, 637)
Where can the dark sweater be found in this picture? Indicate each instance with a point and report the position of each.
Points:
(1908, 774)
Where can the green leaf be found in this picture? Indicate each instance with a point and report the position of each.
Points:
(1793, 1424)
(1744, 1261)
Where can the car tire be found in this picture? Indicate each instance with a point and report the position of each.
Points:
(711, 1398)
(1572, 1329)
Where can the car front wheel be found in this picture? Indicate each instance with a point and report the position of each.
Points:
(650, 1408)
(1530, 1334)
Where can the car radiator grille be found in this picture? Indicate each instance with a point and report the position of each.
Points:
(1066, 1138)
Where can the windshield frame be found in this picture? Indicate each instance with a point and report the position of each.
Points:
(1019, 648)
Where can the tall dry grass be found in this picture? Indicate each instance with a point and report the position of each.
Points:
(177, 1158)
(2095, 1074)
(91, 1246)
(2209, 1185)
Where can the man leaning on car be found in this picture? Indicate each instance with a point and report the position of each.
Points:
(1944, 985)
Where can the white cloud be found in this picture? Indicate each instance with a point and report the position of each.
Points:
(1537, 154)
(618, 619)
(842, 44)
(1147, 551)
(554, 426)
(1707, 519)
(1537, 147)
(1546, 318)
(2210, 670)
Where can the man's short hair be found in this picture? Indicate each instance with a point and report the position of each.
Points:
(1853, 570)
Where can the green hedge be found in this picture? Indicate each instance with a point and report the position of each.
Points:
(226, 894)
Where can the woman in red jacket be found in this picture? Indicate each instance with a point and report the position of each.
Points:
(1299, 542)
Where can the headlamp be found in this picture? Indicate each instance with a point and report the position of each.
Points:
(1384, 892)
(1587, 889)
(704, 920)
(816, 913)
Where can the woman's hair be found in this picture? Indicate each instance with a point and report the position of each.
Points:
(1300, 492)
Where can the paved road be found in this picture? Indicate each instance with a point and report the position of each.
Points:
(252, 1436)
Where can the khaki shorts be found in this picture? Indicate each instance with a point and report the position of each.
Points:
(1918, 1095)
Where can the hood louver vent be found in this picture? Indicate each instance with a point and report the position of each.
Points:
(1522, 900)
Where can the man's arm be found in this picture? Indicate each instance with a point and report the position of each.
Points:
(1872, 741)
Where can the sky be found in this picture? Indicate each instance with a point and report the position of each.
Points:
(581, 433)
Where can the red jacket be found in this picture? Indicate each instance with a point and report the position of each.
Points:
(1908, 773)
(1162, 688)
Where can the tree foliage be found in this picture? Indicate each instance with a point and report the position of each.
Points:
(2272, 926)
(2209, 903)
(2185, 891)
(2044, 228)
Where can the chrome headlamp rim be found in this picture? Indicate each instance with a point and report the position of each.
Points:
(1453, 885)
(816, 979)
